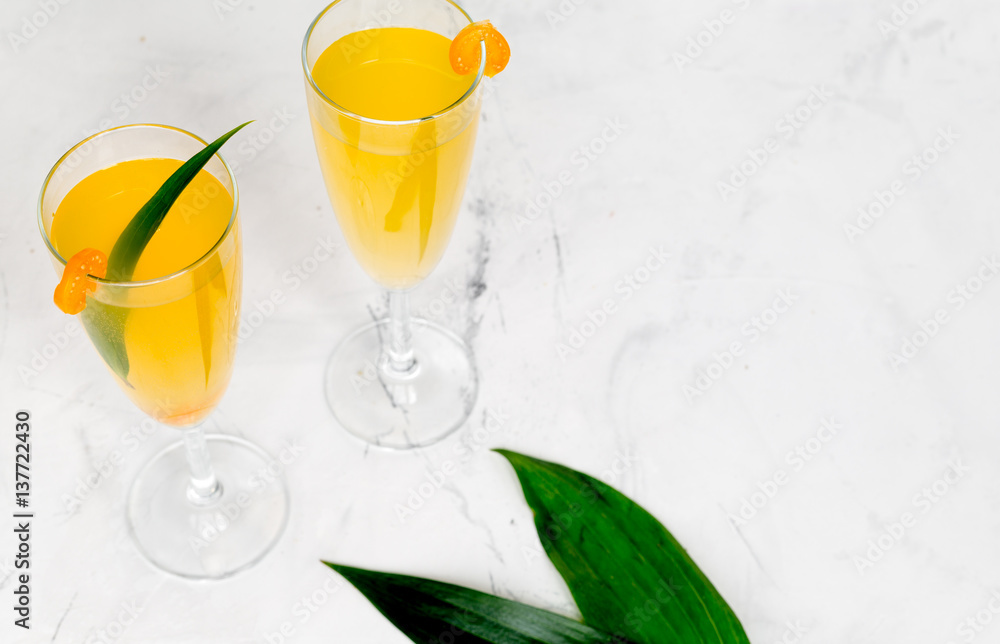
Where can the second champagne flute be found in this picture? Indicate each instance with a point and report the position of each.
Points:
(395, 128)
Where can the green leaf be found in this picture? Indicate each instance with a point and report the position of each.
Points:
(205, 310)
(433, 611)
(105, 324)
(133, 240)
(627, 573)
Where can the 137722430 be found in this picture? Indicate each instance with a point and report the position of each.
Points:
(22, 459)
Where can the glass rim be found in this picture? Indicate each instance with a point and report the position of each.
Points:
(373, 121)
(156, 280)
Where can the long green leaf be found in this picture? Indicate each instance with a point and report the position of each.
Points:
(433, 611)
(627, 573)
(105, 324)
(133, 240)
(206, 312)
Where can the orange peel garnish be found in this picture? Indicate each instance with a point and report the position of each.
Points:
(464, 50)
(71, 293)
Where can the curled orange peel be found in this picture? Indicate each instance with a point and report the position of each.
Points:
(464, 51)
(71, 293)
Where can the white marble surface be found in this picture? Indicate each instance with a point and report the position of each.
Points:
(880, 97)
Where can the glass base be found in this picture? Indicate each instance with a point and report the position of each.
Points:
(218, 540)
(402, 412)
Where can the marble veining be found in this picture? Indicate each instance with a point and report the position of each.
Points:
(693, 234)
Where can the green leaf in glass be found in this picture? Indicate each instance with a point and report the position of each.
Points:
(105, 323)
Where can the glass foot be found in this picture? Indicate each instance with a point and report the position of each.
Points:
(217, 540)
(402, 412)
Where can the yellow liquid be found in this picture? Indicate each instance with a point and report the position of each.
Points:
(396, 190)
(179, 335)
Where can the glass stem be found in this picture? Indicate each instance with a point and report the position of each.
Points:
(203, 488)
(398, 361)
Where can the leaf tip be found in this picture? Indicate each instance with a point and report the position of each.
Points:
(350, 573)
(517, 460)
(511, 455)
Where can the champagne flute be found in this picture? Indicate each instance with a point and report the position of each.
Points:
(394, 129)
(201, 508)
